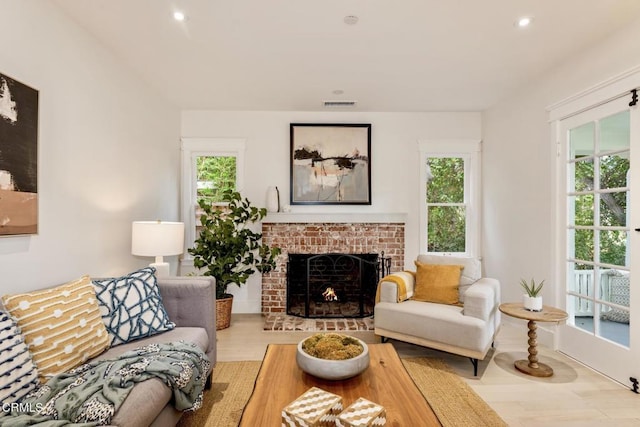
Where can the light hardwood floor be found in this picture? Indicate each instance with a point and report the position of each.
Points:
(574, 396)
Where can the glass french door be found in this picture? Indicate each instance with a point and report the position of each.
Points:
(598, 154)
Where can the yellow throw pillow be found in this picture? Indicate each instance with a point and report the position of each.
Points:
(62, 326)
(437, 283)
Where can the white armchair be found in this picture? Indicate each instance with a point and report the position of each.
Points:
(467, 329)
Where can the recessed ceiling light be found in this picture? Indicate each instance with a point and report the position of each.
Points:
(525, 21)
(179, 16)
(351, 20)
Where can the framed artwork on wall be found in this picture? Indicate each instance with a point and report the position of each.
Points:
(330, 164)
(18, 158)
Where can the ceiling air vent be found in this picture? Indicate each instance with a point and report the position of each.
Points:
(332, 104)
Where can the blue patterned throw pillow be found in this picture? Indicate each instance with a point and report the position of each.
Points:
(18, 374)
(131, 306)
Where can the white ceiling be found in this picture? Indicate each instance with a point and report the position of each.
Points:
(402, 55)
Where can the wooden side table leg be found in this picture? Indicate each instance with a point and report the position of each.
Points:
(533, 344)
(532, 366)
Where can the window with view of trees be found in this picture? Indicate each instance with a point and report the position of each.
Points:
(446, 209)
(598, 187)
(215, 174)
(209, 167)
(450, 171)
(613, 209)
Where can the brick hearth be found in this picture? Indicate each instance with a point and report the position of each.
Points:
(324, 237)
(282, 322)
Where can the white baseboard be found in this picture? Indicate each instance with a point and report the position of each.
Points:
(246, 306)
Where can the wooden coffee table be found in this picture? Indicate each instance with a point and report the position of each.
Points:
(385, 382)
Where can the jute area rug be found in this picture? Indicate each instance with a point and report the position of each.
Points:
(453, 401)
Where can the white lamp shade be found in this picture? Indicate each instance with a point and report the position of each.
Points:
(157, 238)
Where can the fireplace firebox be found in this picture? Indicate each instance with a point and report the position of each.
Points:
(334, 285)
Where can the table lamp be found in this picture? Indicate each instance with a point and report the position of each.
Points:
(157, 239)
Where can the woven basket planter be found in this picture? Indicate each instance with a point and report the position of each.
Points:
(223, 313)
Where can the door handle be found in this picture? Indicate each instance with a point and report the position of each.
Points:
(637, 229)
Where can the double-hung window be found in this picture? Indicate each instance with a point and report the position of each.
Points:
(209, 167)
(450, 197)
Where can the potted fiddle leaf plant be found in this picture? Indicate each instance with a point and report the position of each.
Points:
(229, 250)
(532, 299)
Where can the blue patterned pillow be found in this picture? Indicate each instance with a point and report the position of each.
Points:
(131, 306)
(18, 374)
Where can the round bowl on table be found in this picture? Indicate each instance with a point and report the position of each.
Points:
(333, 369)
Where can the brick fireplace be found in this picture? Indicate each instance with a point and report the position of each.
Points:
(331, 233)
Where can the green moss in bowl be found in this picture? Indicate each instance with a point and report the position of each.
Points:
(332, 346)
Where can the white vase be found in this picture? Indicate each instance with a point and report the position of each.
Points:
(273, 199)
(532, 303)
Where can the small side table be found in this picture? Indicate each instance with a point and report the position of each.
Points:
(548, 314)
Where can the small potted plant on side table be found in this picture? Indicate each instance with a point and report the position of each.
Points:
(229, 250)
(532, 299)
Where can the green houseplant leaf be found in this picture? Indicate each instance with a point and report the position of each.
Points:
(227, 248)
(532, 289)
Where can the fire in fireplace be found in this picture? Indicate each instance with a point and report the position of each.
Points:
(329, 294)
(333, 285)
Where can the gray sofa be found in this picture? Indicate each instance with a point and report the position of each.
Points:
(190, 304)
(468, 329)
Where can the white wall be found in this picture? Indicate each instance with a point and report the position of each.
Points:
(519, 159)
(394, 161)
(109, 152)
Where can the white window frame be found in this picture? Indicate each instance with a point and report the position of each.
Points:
(192, 148)
(470, 150)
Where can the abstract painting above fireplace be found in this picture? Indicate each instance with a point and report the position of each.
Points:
(330, 164)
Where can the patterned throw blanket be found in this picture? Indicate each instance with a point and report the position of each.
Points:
(90, 394)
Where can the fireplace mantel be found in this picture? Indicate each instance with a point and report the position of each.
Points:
(337, 218)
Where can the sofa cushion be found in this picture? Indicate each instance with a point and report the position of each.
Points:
(619, 293)
(440, 323)
(18, 374)
(437, 283)
(131, 306)
(470, 273)
(62, 325)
